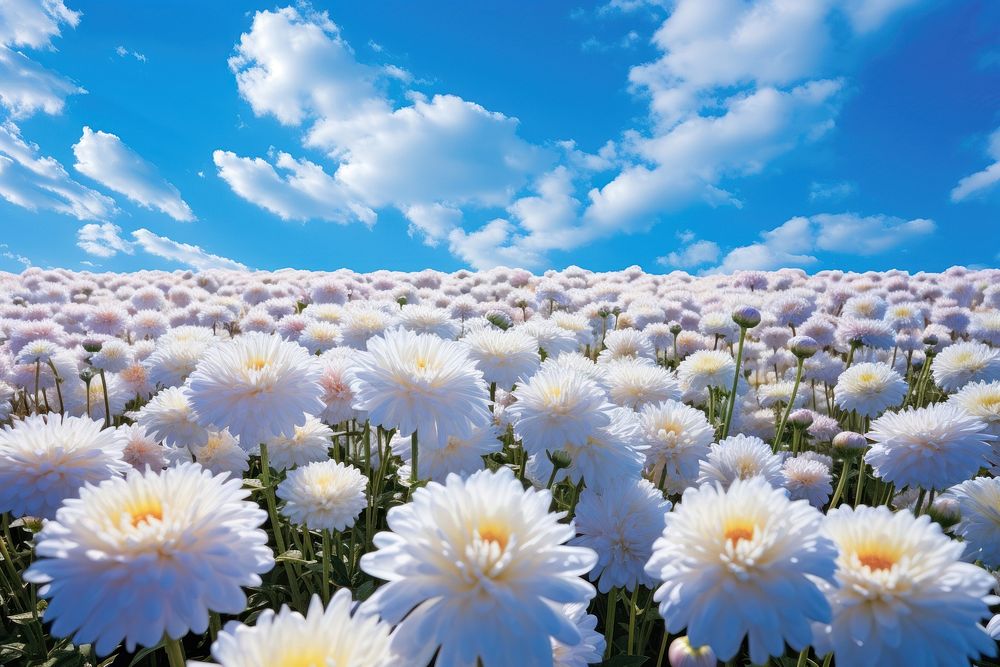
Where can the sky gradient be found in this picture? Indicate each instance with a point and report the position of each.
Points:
(701, 135)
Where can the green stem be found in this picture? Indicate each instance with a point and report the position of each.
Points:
(107, 405)
(803, 658)
(175, 653)
(631, 618)
(736, 379)
(272, 510)
(788, 408)
(861, 483)
(609, 622)
(663, 648)
(413, 464)
(845, 472)
(326, 566)
(55, 374)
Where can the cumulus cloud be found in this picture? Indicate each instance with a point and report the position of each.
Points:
(37, 182)
(25, 86)
(106, 159)
(981, 181)
(796, 241)
(182, 253)
(102, 240)
(692, 255)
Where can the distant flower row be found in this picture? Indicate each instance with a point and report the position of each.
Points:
(498, 468)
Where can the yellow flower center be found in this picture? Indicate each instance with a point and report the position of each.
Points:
(310, 657)
(737, 530)
(256, 363)
(876, 559)
(494, 532)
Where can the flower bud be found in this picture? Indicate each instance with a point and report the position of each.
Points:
(499, 319)
(849, 441)
(931, 340)
(946, 511)
(675, 328)
(746, 316)
(803, 347)
(559, 458)
(801, 418)
(682, 654)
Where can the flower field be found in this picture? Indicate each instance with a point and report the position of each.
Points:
(494, 468)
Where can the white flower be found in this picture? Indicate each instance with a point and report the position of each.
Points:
(808, 479)
(462, 456)
(322, 638)
(319, 336)
(134, 559)
(589, 650)
(504, 357)
(257, 385)
(933, 447)
(476, 554)
(981, 399)
(326, 495)
(740, 457)
(707, 368)
(742, 562)
(309, 442)
(141, 449)
(177, 354)
(678, 437)
(169, 417)
(113, 357)
(635, 382)
(621, 525)
(964, 362)
(418, 382)
(222, 453)
(75, 392)
(903, 597)
(869, 389)
(558, 407)
(979, 500)
(45, 459)
(337, 395)
(611, 455)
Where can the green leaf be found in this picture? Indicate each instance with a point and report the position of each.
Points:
(143, 653)
(293, 556)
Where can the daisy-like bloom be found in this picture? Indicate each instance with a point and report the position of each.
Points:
(558, 407)
(807, 479)
(419, 382)
(589, 650)
(325, 495)
(472, 554)
(362, 323)
(779, 393)
(626, 344)
(635, 382)
(903, 597)
(45, 459)
(740, 457)
(75, 391)
(979, 501)
(933, 447)
(981, 399)
(742, 561)
(134, 559)
(168, 417)
(678, 438)
(429, 320)
(222, 453)
(869, 333)
(869, 388)
(612, 454)
(337, 395)
(37, 352)
(578, 325)
(258, 386)
(707, 368)
(621, 524)
(550, 337)
(141, 449)
(135, 379)
(114, 356)
(461, 456)
(985, 327)
(177, 354)
(108, 319)
(321, 638)
(310, 442)
(504, 357)
(959, 364)
(319, 336)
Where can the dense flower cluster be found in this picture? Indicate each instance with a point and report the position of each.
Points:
(495, 468)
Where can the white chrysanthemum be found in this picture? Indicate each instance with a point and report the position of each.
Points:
(985, 327)
(113, 357)
(45, 459)
(678, 437)
(310, 442)
(475, 554)
(222, 453)
(626, 344)
(258, 386)
(780, 393)
(504, 357)
(742, 562)
(635, 382)
(933, 447)
(337, 395)
(589, 650)
(139, 558)
(169, 417)
(322, 638)
(177, 354)
(979, 500)
(326, 495)
(738, 457)
(613, 454)
(429, 320)
(964, 362)
(135, 379)
(362, 323)
(903, 597)
(558, 407)
(550, 337)
(981, 399)
(141, 449)
(319, 336)
(75, 392)
(870, 389)
(621, 524)
(461, 456)
(419, 382)
(707, 368)
(808, 479)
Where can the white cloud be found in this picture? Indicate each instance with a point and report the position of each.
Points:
(831, 191)
(124, 53)
(36, 182)
(102, 240)
(795, 242)
(435, 221)
(491, 245)
(694, 254)
(182, 253)
(5, 251)
(981, 181)
(106, 159)
(868, 15)
(303, 192)
(25, 86)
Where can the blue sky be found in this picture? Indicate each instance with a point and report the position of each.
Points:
(702, 135)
